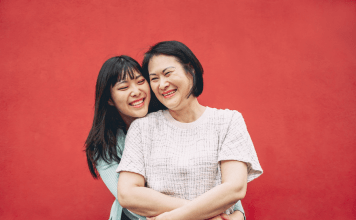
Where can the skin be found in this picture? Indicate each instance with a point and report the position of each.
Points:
(168, 75)
(131, 98)
(171, 85)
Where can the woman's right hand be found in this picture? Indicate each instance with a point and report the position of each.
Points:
(222, 216)
(237, 215)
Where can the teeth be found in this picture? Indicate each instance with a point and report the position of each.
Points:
(169, 93)
(137, 103)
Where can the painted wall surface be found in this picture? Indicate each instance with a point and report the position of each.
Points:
(288, 66)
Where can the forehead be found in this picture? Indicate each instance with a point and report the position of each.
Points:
(160, 62)
(128, 75)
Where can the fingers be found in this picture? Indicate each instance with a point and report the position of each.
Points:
(222, 216)
(225, 216)
(216, 218)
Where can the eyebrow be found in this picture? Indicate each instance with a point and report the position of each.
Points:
(168, 68)
(124, 81)
(162, 70)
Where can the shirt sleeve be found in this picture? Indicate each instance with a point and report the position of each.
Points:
(238, 207)
(108, 175)
(107, 171)
(133, 158)
(237, 145)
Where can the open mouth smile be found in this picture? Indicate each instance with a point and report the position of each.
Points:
(169, 93)
(138, 103)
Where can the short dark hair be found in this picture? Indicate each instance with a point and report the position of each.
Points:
(184, 55)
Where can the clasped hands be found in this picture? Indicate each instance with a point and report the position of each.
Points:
(235, 216)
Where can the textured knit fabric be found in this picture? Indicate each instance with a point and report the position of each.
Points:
(110, 177)
(182, 159)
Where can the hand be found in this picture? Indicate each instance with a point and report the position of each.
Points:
(222, 216)
(237, 215)
(163, 216)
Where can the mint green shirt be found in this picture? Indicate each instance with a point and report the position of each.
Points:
(110, 178)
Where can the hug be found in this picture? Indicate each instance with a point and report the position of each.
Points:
(160, 152)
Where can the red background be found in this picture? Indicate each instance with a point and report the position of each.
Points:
(288, 66)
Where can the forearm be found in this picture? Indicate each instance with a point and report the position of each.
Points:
(148, 202)
(218, 199)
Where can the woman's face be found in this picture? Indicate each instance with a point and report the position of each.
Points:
(170, 82)
(131, 97)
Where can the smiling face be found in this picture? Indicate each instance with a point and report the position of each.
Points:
(131, 97)
(170, 82)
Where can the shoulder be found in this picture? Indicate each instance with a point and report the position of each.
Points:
(148, 121)
(154, 116)
(224, 115)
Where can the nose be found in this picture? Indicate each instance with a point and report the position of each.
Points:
(163, 84)
(135, 91)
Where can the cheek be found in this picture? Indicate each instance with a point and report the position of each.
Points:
(119, 99)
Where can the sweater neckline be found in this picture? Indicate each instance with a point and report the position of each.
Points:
(189, 125)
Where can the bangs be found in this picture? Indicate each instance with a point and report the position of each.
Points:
(123, 69)
(127, 71)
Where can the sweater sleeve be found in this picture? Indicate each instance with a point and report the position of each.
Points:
(238, 207)
(107, 170)
(238, 145)
(108, 175)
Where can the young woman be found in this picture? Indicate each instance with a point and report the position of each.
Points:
(191, 152)
(122, 95)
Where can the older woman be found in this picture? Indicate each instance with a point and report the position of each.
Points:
(122, 95)
(190, 152)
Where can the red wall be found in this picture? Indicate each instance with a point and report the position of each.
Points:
(288, 66)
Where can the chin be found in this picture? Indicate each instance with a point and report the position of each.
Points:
(141, 113)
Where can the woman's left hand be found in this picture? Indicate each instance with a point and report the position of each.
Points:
(235, 216)
(163, 216)
(222, 216)
(166, 216)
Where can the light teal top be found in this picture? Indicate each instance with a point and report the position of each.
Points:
(110, 177)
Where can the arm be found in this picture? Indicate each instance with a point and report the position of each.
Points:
(133, 195)
(218, 199)
(108, 175)
(110, 178)
(234, 216)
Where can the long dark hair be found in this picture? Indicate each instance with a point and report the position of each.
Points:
(101, 141)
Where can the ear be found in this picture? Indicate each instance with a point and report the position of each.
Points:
(191, 68)
(110, 102)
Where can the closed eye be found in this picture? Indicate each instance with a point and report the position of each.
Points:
(123, 88)
(141, 81)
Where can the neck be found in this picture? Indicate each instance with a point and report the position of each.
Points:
(189, 113)
(127, 120)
